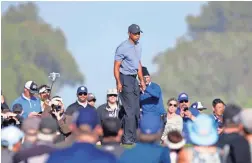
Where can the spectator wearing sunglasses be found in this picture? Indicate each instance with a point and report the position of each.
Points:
(91, 99)
(174, 122)
(187, 113)
(44, 95)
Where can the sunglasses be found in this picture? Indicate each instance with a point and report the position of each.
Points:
(175, 105)
(138, 33)
(80, 94)
(183, 101)
(113, 95)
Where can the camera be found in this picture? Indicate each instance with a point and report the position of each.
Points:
(186, 108)
(12, 121)
(56, 107)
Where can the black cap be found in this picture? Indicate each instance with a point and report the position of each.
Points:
(133, 28)
(231, 114)
(145, 71)
(111, 126)
(17, 108)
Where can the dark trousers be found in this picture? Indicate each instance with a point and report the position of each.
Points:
(130, 98)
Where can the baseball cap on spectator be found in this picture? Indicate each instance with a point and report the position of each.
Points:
(31, 86)
(150, 124)
(31, 123)
(246, 120)
(10, 136)
(182, 97)
(198, 105)
(111, 127)
(145, 71)
(47, 129)
(133, 28)
(55, 100)
(91, 97)
(231, 114)
(87, 116)
(112, 91)
(44, 88)
(17, 108)
(82, 89)
(203, 131)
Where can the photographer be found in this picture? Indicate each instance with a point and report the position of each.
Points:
(13, 118)
(186, 112)
(44, 95)
(57, 112)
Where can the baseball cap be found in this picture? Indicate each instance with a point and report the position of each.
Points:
(150, 124)
(183, 96)
(111, 126)
(17, 108)
(91, 97)
(112, 91)
(203, 131)
(133, 28)
(198, 105)
(31, 123)
(10, 136)
(44, 88)
(231, 114)
(82, 89)
(47, 128)
(86, 116)
(31, 86)
(246, 120)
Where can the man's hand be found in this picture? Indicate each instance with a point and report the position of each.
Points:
(57, 114)
(220, 130)
(182, 113)
(188, 114)
(143, 85)
(33, 114)
(119, 87)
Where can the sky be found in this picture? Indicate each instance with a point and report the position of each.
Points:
(94, 29)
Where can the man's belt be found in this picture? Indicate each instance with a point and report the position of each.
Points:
(133, 75)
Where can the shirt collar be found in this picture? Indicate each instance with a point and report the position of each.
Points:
(82, 104)
(25, 97)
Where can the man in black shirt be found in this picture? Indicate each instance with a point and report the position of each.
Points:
(235, 146)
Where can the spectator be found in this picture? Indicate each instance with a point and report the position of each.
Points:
(111, 108)
(81, 102)
(203, 135)
(198, 106)
(173, 121)
(30, 127)
(4, 105)
(39, 151)
(112, 134)
(29, 102)
(91, 99)
(18, 110)
(87, 130)
(44, 95)
(235, 146)
(148, 150)
(186, 112)
(246, 119)
(11, 140)
(218, 109)
(175, 142)
(151, 100)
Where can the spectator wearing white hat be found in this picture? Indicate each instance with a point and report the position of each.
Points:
(44, 95)
(29, 102)
(11, 141)
(198, 105)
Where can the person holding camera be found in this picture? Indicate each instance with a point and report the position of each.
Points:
(29, 102)
(44, 95)
(13, 118)
(186, 112)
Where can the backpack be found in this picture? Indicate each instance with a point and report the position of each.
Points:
(198, 157)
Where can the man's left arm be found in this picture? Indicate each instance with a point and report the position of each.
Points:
(154, 91)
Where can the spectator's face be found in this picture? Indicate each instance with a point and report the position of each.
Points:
(92, 102)
(172, 106)
(112, 98)
(183, 104)
(82, 97)
(147, 79)
(135, 37)
(44, 95)
(219, 109)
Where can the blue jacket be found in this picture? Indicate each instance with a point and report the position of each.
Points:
(151, 100)
(195, 113)
(29, 105)
(146, 153)
(79, 153)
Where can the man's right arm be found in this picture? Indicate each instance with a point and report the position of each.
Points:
(116, 71)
